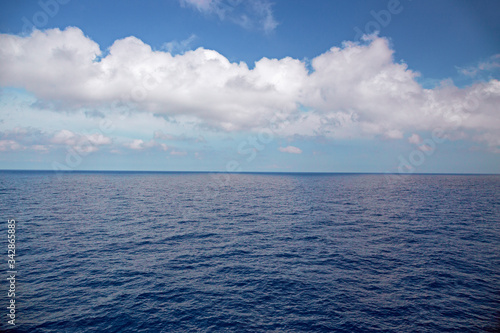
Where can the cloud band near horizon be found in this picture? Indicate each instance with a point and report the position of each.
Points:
(352, 91)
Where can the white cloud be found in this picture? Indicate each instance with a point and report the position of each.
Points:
(489, 65)
(201, 5)
(415, 139)
(247, 13)
(394, 134)
(356, 90)
(175, 47)
(138, 144)
(426, 148)
(82, 143)
(135, 145)
(34, 139)
(265, 13)
(178, 153)
(99, 139)
(290, 150)
(40, 148)
(10, 145)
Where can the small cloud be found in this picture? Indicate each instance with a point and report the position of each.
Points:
(34, 139)
(159, 135)
(264, 10)
(468, 71)
(415, 139)
(82, 143)
(490, 64)
(201, 5)
(290, 150)
(40, 148)
(64, 137)
(9, 145)
(394, 134)
(487, 66)
(178, 153)
(139, 144)
(425, 147)
(99, 139)
(248, 14)
(175, 47)
(135, 145)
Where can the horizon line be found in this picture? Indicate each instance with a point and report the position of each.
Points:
(253, 172)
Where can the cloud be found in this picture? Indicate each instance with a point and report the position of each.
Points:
(249, 14)
(135, 145)
(355, 90)
(415, 139)
(178, 153)
(201, 5)
(139, 144)
(290, 150)
(160, 135)
(265, 15)
(175, 47)
(490, 65)
(34, 139)
(9, 145)
(82, 143)
(426, 148)
(394, 134)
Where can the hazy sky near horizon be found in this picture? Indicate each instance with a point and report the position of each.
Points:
(256, 85)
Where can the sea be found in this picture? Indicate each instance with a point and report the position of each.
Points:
(250, 252)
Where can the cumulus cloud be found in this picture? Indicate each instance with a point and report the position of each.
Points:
(139, 144)
(290, 150)
(356, 90)
(415, 139)
(135, 145)
(394, 134)
(82, 143)
(34, 139)
(9, 145)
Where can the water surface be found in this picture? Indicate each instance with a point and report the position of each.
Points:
(197, 252)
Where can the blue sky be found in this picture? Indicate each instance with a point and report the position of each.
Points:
(231, 85)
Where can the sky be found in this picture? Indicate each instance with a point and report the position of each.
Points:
(395, 86)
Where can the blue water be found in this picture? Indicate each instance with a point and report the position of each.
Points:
(196, 252)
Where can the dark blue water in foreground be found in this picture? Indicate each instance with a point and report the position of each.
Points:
(181, 252)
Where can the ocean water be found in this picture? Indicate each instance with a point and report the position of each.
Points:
(198, 252)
